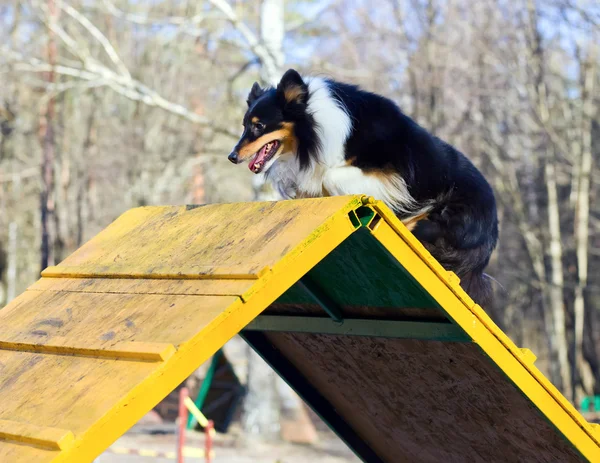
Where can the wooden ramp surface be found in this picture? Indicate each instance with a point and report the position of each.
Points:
(334, 293)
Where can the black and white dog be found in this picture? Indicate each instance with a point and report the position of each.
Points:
(317, 137)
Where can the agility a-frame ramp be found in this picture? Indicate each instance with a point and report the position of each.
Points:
(334, 293)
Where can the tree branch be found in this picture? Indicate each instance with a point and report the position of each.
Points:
(99, 36)
(254, 43)
(122, 84)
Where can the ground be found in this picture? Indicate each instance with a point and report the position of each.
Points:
(229, 448)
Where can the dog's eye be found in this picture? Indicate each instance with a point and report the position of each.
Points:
(259, 126)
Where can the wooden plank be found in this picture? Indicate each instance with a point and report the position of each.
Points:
(419, 401)
(67, 392)
(205, 287)
(14, 452)
(40, 436)
(226, 240)
(99, 321)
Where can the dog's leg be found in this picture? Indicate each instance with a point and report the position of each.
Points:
(386, 186)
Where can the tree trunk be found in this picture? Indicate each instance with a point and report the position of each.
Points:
(11, 271)
(584, 372)
(557, 284)
(261, 405)
(48, 153)
(554, 292)
(272, 31)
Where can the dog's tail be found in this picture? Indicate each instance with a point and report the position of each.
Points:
(478, 285)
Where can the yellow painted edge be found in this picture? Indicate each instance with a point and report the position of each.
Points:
(528, 356)
(329, 239)
(534, 371)
(201, 347)
(505, 354)
(44, 437)
(191, 406)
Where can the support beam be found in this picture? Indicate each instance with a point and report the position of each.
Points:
(317, 294)
(422, 330)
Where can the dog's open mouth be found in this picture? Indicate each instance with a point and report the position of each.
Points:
(263, 155)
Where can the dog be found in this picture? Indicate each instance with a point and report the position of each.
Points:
(315, 137)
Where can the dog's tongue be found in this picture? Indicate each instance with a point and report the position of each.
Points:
(258, 161)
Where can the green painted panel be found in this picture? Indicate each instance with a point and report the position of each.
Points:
(361, 272)
(295, 295)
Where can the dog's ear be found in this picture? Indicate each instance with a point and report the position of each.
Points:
(255, 92)
(292, 88)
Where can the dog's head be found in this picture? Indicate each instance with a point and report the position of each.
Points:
(271, 123)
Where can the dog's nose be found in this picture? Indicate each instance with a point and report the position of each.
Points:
(233, 157)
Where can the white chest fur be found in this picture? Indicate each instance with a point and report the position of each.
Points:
(321, 180)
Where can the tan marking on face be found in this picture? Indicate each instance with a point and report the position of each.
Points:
(412, 222)
(285, 135)
(293, 93)
(350, 162)
(254, 120)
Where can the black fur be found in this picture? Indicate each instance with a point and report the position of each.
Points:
(461, 229)
(255, 92)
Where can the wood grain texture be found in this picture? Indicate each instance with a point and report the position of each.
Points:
(97, 320)
(425, 401)
(44, 437)
(227, 240)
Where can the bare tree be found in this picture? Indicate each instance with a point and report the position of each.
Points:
(582, 216)
(47, 121)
